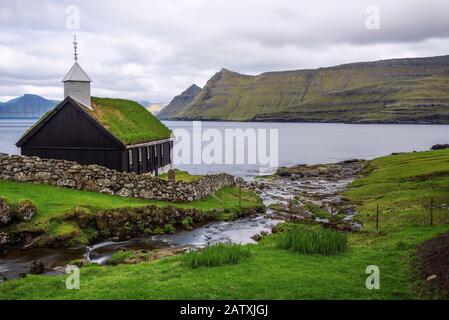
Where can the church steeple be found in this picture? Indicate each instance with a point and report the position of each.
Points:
(77, 82)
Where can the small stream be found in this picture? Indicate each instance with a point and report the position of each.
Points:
(239, 231)
(17, 261)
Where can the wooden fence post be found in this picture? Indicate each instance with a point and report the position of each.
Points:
(377, 217)
(240, 198)
(290, 205)
(431, 212)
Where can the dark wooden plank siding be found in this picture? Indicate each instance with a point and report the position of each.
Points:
(134, 166)
(69, 135)
(153, 157)
(167, 153)
(70, 128)
(125, 161)
(150, 159)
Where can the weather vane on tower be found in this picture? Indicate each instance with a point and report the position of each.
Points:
(75, 47)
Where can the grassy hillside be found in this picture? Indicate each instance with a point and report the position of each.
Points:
(400, 184)
(390, 91)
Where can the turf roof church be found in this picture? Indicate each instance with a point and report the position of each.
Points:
(115, 133)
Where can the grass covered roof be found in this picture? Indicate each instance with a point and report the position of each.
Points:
(128, 121)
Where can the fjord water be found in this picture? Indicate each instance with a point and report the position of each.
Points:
(299, 143)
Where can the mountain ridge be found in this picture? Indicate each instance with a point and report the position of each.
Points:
(409, 90)
(179, 101)
(28, 106)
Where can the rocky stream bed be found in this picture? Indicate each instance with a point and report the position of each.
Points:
(311, 193)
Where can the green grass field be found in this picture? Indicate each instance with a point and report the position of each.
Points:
(53, 202)
(399, 184)
(403, 186)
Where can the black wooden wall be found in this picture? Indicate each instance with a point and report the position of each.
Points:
(148, 158)
(70, 135)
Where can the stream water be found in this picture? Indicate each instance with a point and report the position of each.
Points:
(18, 261)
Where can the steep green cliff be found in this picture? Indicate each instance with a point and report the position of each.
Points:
(179, 102)
(389, 91)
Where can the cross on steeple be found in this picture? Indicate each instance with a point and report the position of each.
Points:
(75, 47)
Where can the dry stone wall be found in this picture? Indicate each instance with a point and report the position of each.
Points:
(100, 179)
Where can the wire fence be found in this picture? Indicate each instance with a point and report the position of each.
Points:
(432, 211)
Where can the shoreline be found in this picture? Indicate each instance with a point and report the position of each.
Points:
(308, 122)
(279, 121)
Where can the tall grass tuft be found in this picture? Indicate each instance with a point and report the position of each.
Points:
(217, 255)
(314, 241)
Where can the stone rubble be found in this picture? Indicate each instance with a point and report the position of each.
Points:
(311, 193)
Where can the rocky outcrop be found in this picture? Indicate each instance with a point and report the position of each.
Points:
(6, 213)
(333, 172)
(440, 146)
(312, 194)
(37, 267)
(179, 102)
(25, 210)
(4, 239)
(100, 179)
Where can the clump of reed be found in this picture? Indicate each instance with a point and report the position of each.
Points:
(217, 255)
(319, 241)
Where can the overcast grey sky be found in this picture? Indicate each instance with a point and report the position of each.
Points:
(155, 49)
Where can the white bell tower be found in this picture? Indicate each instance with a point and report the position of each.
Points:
(77, 82)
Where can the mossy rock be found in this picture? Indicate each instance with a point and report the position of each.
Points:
(168, 228)
(139, 256)
(79, 262)
(119, 257)
(158, 230)
(26, 210)
(187, 223)
(5, 212)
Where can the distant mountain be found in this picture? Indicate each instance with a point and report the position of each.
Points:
(389, 91)
(155, 108)
(144, 103)
(28, 106)
(179, 102)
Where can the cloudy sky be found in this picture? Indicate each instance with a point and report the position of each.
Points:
(153, 50)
